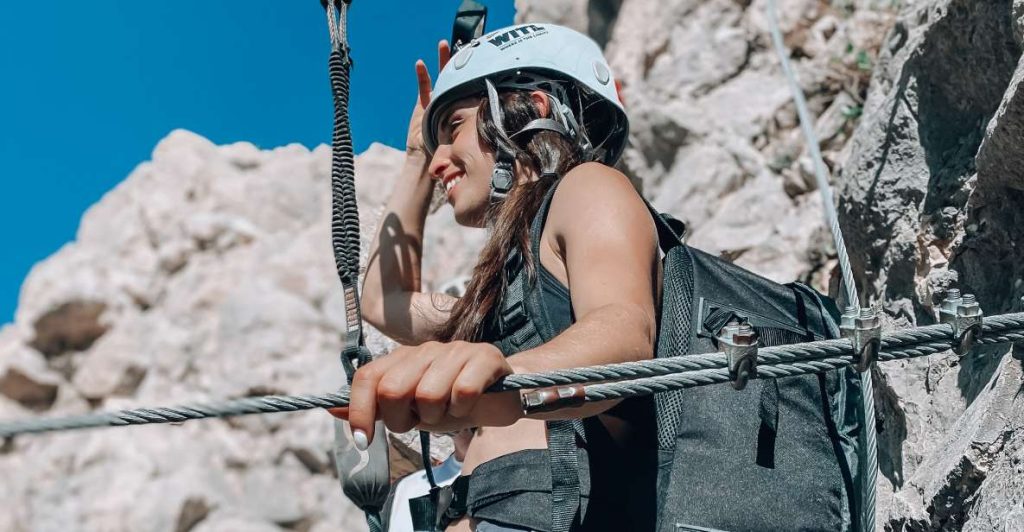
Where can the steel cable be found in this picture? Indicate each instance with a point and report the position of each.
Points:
(635, 378)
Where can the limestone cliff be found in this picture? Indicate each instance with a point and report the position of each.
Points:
(208, 274)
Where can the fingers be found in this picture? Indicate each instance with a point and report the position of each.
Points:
(478, 373)
(444, 53)
(426, 384)
(423, 81)
(362, 400)
(434, 390)
(397, 390)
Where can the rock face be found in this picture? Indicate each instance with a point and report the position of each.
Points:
(932, 197)
(713, 127)
(208, 274)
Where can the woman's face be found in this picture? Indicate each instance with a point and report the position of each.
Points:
(463, 163)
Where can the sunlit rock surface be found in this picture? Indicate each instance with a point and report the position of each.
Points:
(208, 272)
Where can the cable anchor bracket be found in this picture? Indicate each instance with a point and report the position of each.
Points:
(863, 327)
(965, 316)
(739, 342)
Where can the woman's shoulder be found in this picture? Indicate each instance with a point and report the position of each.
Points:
(596, 173)
(593, 185)
(596, 197)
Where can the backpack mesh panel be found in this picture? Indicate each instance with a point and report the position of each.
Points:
(676, 309)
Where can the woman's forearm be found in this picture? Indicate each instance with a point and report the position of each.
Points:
(395, 254)
(608, 335)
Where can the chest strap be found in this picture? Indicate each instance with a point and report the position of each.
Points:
(523, 323)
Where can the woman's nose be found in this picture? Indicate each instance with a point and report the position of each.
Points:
(440, 161)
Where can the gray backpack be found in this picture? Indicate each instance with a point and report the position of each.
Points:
(776, 455)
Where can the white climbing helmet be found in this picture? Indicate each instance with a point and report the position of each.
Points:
(535, 56)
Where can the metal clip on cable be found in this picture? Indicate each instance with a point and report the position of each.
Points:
(864, 329)
(553, 398)
(739, 341)
(964, 315)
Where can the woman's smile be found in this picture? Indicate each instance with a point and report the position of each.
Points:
(451, 182)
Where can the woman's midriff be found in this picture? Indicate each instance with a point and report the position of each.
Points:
(491, 442)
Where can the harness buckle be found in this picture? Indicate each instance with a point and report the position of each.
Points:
(740, 342)
(512, 318)
(864, 330)
(965, 316)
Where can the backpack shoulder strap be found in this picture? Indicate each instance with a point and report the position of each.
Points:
(541, 218)
(670, 229)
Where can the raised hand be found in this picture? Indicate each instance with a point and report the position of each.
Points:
(414, 141)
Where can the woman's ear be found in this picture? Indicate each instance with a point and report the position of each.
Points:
(541, 101)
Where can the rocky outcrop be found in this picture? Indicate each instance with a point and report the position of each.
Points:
(931, 198)
(713, 128)
(207, 273)
(593, 17)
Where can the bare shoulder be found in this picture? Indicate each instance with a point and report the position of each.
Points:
(593, 192)
(595, 180)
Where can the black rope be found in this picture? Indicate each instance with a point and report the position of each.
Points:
(344, 213)
(364, 473)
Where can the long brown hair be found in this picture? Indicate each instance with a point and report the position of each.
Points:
(543, 152)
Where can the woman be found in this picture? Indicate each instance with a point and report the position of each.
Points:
(510, 120)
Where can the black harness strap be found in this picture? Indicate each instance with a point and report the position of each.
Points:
(565, 479)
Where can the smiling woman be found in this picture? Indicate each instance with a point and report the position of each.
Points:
(462, 142)
(521, 140)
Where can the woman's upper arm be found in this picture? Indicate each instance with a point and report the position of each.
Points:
(411, 318)
(608, 240)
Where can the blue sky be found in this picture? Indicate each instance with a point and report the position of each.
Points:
(87, 89)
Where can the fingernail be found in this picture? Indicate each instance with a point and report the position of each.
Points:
(360, 438)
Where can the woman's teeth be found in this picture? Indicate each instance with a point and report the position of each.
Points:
(451, 184)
